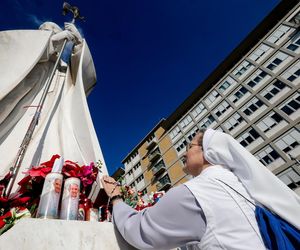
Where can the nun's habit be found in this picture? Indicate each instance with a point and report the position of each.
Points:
(263, 186)
(179, 217)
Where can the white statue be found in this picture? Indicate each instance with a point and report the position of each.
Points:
(65, 126)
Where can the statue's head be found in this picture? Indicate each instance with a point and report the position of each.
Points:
(50, 26)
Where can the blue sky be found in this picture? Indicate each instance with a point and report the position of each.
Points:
(149, 55)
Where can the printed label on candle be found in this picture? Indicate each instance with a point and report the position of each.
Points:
(69, 204)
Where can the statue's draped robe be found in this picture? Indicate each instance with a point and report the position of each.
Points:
(65, 126)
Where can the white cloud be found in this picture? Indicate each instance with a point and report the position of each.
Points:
(34, 19)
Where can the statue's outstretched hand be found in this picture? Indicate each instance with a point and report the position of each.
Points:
(77, 38)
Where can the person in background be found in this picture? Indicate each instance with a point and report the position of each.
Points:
(204, 213)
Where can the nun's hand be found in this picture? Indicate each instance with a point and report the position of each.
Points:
(111, 187)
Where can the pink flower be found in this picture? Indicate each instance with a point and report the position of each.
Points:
(86, 170)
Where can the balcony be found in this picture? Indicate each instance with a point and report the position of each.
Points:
(164, 183)
(154, 155)
(158, 169)
(151, 145)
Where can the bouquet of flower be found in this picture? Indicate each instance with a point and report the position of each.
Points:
(138, 201)
(25, 201)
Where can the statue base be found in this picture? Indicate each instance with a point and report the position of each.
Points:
(50, 234)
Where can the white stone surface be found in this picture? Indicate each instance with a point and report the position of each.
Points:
(65, 126)
(31, 234)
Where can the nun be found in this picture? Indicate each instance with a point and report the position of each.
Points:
(215, 209)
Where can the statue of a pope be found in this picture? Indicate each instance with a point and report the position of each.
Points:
(65, 126)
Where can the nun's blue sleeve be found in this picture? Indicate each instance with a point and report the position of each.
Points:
(175, 220)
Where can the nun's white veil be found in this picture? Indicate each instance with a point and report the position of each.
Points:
(263, 186)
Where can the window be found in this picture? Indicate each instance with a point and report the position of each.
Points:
(260, 52)
(291, 105)
(165, 179)
(277, 36)
(135, 167)
(233, 121)
(151, 138)
(180, 145)
(289, 141)
(253, 105)
(191, 134)
(270, 121)
(134, 154)
(273, 89)
(220, 129)
(159, 166)
(185, 122)
(132, 185)
(257, 77)
(212, 97)
(140, 178)
(244, 67)
(276, 60)
(238, 94)
(154, 152)
(292, 73)
(248, 137)
(290, 177)
(295, 42)
(198, 110)
(221, 109)
(226, 84)
(207, 121)
(295, 19)
(175, 132)
(267, 155)
(130, 172)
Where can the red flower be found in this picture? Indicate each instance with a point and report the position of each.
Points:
(44, 169)
(39, 171)
(3, 202)
(19, 201)
(6, 215)
(3, 217)
(71, 169)
(2, 223)
(51, 162)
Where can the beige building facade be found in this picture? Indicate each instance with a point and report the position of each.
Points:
(253, 95)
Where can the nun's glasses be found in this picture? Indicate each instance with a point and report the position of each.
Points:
(189, 145)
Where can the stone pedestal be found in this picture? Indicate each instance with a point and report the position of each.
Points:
(31, 234)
